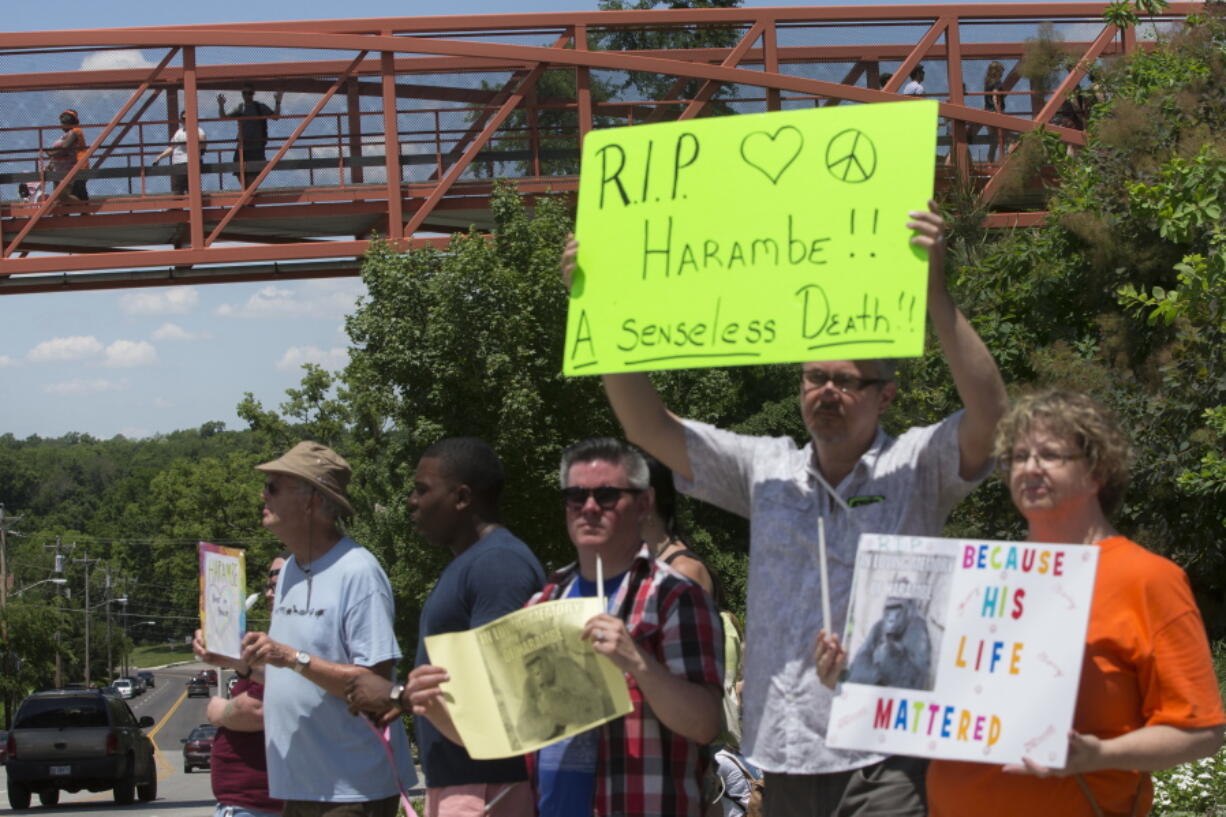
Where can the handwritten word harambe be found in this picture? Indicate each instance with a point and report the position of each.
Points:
(739, 238)
(222, 571)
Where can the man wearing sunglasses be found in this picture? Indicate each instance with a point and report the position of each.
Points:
(456, 489)
(332, 622)
(661, 630)
(858, 479)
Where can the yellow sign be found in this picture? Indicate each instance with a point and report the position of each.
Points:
(527, 680)
(760, 238)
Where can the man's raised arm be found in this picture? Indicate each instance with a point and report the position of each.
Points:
(979, 384)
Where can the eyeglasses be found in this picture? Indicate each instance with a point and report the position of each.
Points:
(606, 497)
(1046, 459)
(816, 379)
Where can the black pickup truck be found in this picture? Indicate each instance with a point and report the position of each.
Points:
(74, 739)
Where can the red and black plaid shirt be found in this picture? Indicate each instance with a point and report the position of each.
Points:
(643, 767)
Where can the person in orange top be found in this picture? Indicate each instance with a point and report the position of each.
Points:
(1148, 697)
(66, 151)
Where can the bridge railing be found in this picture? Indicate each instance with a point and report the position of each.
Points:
(415, 112)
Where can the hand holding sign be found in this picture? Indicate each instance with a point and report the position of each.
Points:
(931, 236)
(829, 657)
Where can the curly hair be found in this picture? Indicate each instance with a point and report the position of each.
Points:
(1091, 426)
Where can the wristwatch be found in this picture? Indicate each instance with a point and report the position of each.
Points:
(395, 693)
(302, 660)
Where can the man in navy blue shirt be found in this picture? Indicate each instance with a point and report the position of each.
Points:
(454, 501)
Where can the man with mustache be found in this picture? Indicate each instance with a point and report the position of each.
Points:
(857, 479)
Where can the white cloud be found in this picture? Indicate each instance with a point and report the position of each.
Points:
(313, 299)
(162, 403)
(107, 60)
(77, 347)
(6, 361)
(125, 354)
(170, 301)
(77, 388)
(133, 433)
(172, 331)
(333, 359)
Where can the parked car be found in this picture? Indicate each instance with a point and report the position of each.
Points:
(4, 743)
(69, 740)
(124, 687)
(146, 676)
(198, 748)
(197, 687)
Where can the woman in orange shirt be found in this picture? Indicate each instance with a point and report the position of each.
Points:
(1148, 698)
(66, 151)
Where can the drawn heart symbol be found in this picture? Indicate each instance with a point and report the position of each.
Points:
(771, 154)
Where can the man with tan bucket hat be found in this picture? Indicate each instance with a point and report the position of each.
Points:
(333, 621)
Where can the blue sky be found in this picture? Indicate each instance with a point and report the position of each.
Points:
(143, 361)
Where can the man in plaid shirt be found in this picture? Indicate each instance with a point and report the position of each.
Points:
(662, 631)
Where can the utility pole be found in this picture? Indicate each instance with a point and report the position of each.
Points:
(85, 560)
(5, 521)
(110, 663)
(59, 603)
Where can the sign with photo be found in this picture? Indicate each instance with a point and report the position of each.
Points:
(527, 680)
(964, 649)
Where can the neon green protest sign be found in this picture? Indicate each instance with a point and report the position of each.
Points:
(760, 238)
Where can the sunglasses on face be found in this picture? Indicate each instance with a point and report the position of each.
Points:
(606, 497)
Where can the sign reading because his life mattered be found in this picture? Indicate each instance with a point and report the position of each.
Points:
(964, 649)
(527, 680)
(223, 586)
(759, 238)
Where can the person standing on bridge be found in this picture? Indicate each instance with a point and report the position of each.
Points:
(252, 119)
(65, 152)
(177, 151)
(239, 767)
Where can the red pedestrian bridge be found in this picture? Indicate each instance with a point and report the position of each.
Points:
(401, 127)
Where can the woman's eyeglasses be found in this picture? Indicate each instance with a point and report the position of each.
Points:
(1046, 459)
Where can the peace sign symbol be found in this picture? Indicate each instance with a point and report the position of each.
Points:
(851, 156)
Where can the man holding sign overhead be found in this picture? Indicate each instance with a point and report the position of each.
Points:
(854, 477)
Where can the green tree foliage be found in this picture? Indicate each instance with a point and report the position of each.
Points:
(27, 653)
(466, 342)
(1121, 294)
(656, 86)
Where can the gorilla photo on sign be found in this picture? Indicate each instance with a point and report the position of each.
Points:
(898, 650)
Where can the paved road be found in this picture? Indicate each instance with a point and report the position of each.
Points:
(179, 794)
